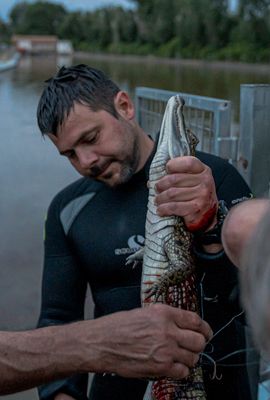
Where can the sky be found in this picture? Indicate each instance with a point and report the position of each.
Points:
(71, 5)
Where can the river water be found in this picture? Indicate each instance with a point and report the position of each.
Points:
(31, 171)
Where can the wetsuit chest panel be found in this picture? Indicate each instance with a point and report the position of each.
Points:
(109, 228)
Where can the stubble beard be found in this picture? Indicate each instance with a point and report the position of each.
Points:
(129, 165)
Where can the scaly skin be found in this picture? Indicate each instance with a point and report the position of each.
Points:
(168, 267)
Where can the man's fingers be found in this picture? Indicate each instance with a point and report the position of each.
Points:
(177, 180)
(187, 164)
(181, 208)
(177, 194)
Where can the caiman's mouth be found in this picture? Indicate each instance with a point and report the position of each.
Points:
(173, 135)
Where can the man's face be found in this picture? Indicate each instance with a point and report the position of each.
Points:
(98, 145)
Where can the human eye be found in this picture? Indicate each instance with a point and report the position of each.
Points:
(92, 138)
(71, 155)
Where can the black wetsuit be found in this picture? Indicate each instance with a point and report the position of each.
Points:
(90, 230)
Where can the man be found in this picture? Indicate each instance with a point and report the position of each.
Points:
(91, 223)
(30, 358)
(245, 235)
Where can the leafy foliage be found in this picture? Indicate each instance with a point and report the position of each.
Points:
(4, 32)
(172, 28)
(38, 18)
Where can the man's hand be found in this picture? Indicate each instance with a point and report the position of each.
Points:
(154, 341)
(189, 192)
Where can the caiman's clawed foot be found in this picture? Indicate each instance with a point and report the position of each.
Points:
(135, 258)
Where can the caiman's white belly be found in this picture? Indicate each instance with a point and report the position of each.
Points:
(157, 230)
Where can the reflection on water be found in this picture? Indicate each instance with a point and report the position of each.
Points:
(31, 171)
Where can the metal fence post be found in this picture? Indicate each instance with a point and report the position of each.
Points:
(254, 141)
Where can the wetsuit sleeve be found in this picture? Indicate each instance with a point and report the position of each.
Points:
(63, 297)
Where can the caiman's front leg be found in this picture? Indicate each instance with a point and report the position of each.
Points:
(135, 258)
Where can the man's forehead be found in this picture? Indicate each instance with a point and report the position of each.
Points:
(78, 110)
(81, 112)
(79, 115)
(75, 128)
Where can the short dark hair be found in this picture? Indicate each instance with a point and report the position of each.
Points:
(79, 83)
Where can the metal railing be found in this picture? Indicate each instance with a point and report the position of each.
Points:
(254, 138)
(208, 118)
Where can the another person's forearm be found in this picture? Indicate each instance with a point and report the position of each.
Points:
(149, 342)
(31, 358)
(63, 396)
(240, 224)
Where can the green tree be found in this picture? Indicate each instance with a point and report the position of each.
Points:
(185, 28)
(40, 18)
(217, 22)
(102, 27)
(155, 21)
(128, 27)
(72, 27)
(249, 9)
(189, 23)
(253, 25)
(4, 31)
(17, 15)
(122, 25)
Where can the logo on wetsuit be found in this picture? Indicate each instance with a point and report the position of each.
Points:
(135, 242)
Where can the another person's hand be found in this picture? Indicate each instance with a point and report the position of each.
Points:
(154, 341)
(189, 192)
(63, 396)
(240, 225)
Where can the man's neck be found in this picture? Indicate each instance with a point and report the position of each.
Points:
(146, 147)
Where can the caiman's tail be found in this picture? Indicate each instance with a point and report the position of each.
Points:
(191, 388)
(183, 296)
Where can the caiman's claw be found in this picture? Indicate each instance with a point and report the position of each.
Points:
(135, 258)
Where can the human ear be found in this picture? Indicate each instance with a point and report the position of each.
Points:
(124, 105)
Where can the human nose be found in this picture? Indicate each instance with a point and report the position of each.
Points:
(86, 159)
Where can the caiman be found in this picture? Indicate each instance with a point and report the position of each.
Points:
(168, 267)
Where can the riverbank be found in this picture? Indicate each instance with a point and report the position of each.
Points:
(221, 65)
